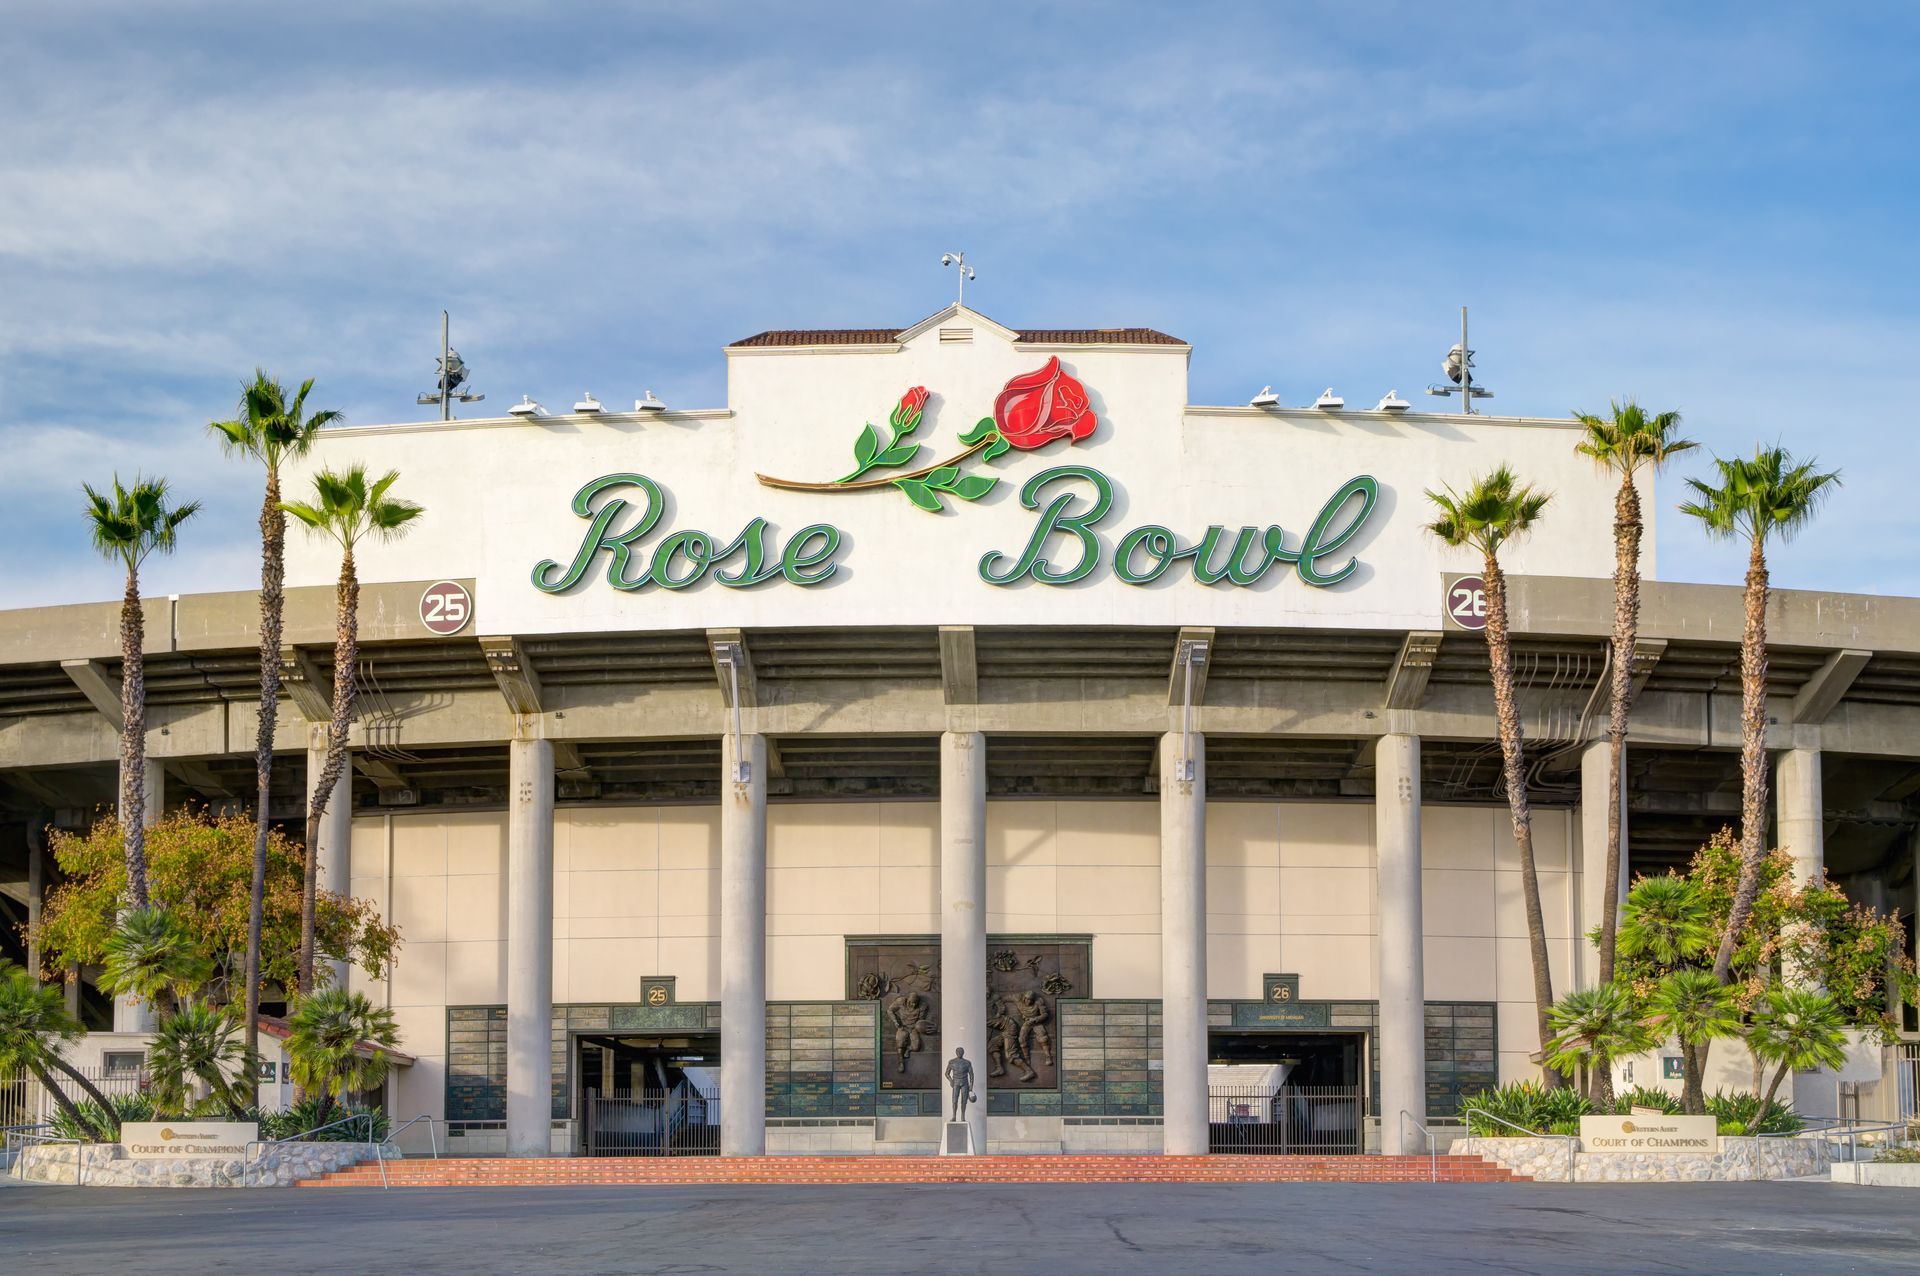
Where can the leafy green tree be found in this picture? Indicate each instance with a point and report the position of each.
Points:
(154, 958)
(338, 1044)
(1622, 444)
(127, 526)
(200, 1044)
(1592, 1026)
(1771, 496)
(1795, 1029)
(348, 508)
(34, 1029)
(1493, 511)
(1697, 1009)
(269, 428)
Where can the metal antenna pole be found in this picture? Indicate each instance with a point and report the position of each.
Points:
(446, 391)
(1466, 367)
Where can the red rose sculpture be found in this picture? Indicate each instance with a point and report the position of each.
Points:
(1038, 407)
(907, 413)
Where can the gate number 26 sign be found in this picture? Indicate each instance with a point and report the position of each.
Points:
(1467, 602)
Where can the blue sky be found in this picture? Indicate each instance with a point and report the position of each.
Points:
(1709, 207)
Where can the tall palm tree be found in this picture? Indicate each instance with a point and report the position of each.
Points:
(270, 429)
(324, 1044)
(348, 509)
(128, 525)
(1621, 444)
(1491, 512)
(1592, 1027)
(1769, 496)
(1795, 1029)
(1697, 1009)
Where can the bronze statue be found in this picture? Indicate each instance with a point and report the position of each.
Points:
(1031, 1009)
(1003, 1043)
(912, 1023)
(960, 1077)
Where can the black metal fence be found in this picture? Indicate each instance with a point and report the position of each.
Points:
(1286, 1120)
(676, 1122)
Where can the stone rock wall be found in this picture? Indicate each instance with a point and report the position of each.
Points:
(1739, 1160)
(107, 1165)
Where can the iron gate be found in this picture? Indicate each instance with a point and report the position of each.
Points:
(1286, 1120)
(677, 1122)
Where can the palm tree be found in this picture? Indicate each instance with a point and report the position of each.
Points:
(325, 1047)
(348, 509)
(1771, 495)
(1621, 444)
(199, 1043)
(270, 429)
(1697, 1009)
(34, 1026)
(1593, 1026)
(127, 526)
(1666, 921)
(1795, 1028)
(1492, 511)
(151, 957)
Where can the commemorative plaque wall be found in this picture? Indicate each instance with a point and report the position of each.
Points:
(1026, 980)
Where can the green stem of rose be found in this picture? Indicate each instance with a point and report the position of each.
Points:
(842, 485)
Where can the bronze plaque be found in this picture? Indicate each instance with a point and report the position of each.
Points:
(1026, 978)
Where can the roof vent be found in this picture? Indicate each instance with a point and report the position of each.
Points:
(956, 336)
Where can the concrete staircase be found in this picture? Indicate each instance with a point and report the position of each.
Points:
(812, 1170)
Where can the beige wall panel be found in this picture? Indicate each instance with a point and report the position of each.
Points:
(419, 846)
(1021, 891)
(1516, 1066)
(815, 891)
(373, 889)
(420, 909)
(1124, 966)
(1243, 890)
(910, 890)
(421, 1090)
(696, 960)
(614, 839)
(1331, 966)
(822, 835)
(1511, 914)
(476, 973)
(1101, 833)
(1518, 1033)
(1552, 840)
(1245, 834)
(609, 969)
(1235, 963)
(1310, 896)
(1325, 833)
(1459, 836)
(630, 895)
(476, 907)
(1085, 896)
(1459, 968)
(1513, 968)
(367, 848)
(806, 967)
(1457, 902)
(689, 903)
(420, 977)
(910, 835)
(1020, 833)
(688, 837)
(476, 843)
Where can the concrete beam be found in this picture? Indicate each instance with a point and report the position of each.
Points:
(96, 685)
(196, 776)
(310, 690)
(383, 773)
(1646, 657)
(1190, 635)
(513, 671)
(1407, 683)
(959, 670)
(749, 685)
(1821, 693)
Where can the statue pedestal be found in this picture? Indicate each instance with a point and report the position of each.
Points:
(957, 1139)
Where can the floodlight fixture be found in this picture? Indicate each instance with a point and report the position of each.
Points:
(1265, 399)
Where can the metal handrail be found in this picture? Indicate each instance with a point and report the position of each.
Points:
(24, 1134)
(1433, 1149)
(1831, 1127)
(1573, 1144)
(246, 1154)
(380, 1148)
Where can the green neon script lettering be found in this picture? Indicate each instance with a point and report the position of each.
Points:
(1328, 533)
(1061, 517)
(600, 535)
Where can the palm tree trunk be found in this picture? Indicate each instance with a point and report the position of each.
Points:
(1693, 1091)
(1626, 627)
(273, 551)
(133, 741)
(1513, 754)
(345, 655)
(92, 1092)
(60, 1098)
(1753, 758)
(1766, 1100)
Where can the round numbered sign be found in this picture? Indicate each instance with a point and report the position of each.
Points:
(1467, 602)
(446, 608)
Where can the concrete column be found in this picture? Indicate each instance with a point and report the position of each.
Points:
(1402, 943)
(529, 947)
(1801, 811)
(36, 887)
(1594, 902)
(743, 946)
(334, 848)
(129, 1014)
(963, 913)
(1183, 943)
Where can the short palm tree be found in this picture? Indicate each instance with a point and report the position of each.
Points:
(1593, 1026)
(269, 428)
(129, 524)
(1493, 511)
(199, 1044)
(34, 1027)
(1666, 921)
(1769, 496)
(1622, 444)
(150, 956)
(338, 1044)
(1698, 1009)
(1795, 1029)
(348, 509)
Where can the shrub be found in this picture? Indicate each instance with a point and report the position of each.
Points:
(1908, 1155)
(1740, 1107)
(306, 1114)
(1647, 1097)
(126, 1107)
(1726, 1127)
(1528, 1105)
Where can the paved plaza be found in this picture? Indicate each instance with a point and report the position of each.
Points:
(1797, 1228)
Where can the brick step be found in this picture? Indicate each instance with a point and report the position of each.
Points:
(815, 1170)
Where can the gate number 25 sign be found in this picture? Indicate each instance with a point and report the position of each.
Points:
(446, 607)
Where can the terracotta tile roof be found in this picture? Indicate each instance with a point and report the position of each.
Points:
(275, 1026)
(886, 336)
